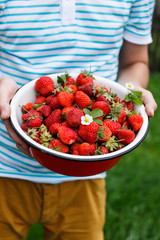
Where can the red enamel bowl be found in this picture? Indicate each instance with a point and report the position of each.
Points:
(68, 164)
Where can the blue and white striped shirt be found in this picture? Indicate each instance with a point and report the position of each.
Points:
(45, 37)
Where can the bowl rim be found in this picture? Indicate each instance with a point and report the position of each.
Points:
(67, 156)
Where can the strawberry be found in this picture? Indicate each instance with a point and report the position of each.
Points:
(136, 121)
(89, 132)
(34, 122)
(54, 128)
(93, 148)
(72, 88)
(44, 85)
(102, 149)
(57, 145)
(27, 107)
(75, 152)
(39, 99)
(113, 126)
(75, 146)
(65, 98)
(66, 110)
(87, 88)
(65, 123)
(45, 110)
(49, 98)
(104, 133)
(84, 77)
(55, 116)
(82, 100)
(125, 124)
(126, 136)
(129, 105)
(54, 103)
(105, 107)
(30, 114)
(67, 135)
(24, 127)
(122, 116)
(65, 79)
(84, 149)
(74, 117)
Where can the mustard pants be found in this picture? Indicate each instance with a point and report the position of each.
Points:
(68, 211)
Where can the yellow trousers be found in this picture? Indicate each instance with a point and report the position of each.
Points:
(68, 211)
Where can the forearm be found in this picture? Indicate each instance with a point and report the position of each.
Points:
(137, 73)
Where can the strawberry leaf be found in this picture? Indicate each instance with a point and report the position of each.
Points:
(135, 97)
(98, 121)
(86, 111)
(96, 113)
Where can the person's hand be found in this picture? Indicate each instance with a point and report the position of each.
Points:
(7, 90)
(148, 101)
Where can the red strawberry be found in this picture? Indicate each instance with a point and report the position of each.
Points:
(129, 105)
(40, 99)
(87, 88)
(126, 135)
(54, 128)
(31, 114)
(125, 124)
(93, 148)
(49, 98)
(136, 121)
(57, 145)
(55, 116)
(104, 133)
(70, 80)
(84, 77)
(65, 98)
(122, 117)
(103, 149)
(75, 146)
(44, 85)
(74, 117)
(54, 103)
(82, 99)
(65, 123)
(34, 122)
(45, 110)
(24, 127)
(66, 110)
(105, 107)
(75, 152)
(72, 88)
(67, 135)
(89, 132)
(84, 149)
(113, 126)
(27, 107)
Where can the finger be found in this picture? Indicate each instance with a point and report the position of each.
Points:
(149, 102)
(13, 135)
(6, 111)
(25, 150)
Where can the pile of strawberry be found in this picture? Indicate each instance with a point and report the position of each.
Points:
(79, 116)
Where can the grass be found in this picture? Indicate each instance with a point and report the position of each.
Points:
(133, 203)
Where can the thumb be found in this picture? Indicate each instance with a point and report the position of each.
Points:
(5, 112)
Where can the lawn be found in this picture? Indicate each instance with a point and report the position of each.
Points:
(133, 203)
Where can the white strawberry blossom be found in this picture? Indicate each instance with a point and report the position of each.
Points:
(86, 120)
(129, 86)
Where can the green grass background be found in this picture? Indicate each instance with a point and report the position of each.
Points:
(133, 202)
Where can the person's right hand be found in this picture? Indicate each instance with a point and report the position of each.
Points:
(7, 90)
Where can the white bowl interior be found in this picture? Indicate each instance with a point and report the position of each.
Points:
(27, 94)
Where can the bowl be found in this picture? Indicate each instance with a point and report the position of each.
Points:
(68, 164)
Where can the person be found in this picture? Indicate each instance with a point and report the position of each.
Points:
(44, 37)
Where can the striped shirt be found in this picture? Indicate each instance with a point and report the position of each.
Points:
(45, 37)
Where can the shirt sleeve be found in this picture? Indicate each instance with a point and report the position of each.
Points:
(138, 27)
